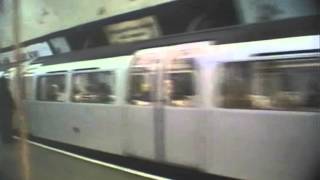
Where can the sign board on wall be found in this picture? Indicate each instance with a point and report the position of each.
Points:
(42, 17)
(27, 53)
(60, 45)
(133, 30)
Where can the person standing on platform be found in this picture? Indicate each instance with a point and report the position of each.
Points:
(6, 111)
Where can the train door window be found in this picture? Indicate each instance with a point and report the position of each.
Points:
(51, 88)
(142, 88)
(179, 83)
(235, 85)
(277, 84)
(94, 87)
(143, 80)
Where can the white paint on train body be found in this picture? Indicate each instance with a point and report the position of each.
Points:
(222, 110)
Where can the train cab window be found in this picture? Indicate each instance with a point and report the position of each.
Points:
(93, 87)
(276, 85)
(179, 84)
(52, 88)
(142, 87)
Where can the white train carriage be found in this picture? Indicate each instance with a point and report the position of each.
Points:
(264, 120)
(245, 110)
(68, 106)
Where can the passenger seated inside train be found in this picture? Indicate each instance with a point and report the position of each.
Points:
(55, 94)
(94, 93)
(235, 91)
(179, 90)
(104, 92)
(271, 86)
(93, 88)
(142, 96)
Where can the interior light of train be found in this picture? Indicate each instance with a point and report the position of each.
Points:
(178, 63)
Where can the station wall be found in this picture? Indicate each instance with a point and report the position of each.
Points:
(41, 17)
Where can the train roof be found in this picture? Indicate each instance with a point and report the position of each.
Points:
(240, 33)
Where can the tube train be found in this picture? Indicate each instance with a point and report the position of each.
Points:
(248, 110)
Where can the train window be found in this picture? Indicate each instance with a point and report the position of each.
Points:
(28, 87)
(179, 84)
(142, 88)
(93, 87)
(278, 85)
(235, 85)
(52, 88)
(179, 88)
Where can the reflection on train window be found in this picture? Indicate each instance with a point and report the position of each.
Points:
(279, 85)
(141, 88)
(52, 88)
(179, 88)
(93, 87)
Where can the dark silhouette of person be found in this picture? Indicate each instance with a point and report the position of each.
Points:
(6, 111)
(104, 92)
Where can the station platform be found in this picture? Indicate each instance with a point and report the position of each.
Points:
(47, 163)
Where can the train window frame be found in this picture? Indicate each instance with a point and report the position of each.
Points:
(37, 95)
(281, 97)
(113, 87)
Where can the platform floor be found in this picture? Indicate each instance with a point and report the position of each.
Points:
(51, 165)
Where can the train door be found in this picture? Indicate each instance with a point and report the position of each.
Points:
(95, 95)
(143, 113)
(183, 115)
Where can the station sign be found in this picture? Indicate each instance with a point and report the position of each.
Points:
(27, 53)
(133, 30)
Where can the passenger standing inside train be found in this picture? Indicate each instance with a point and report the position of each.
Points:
(6, 111)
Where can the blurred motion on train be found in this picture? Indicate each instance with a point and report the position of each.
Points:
(241, 110)
(168, 85)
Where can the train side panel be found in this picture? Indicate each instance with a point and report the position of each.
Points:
(91, 125)
(263, 144)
